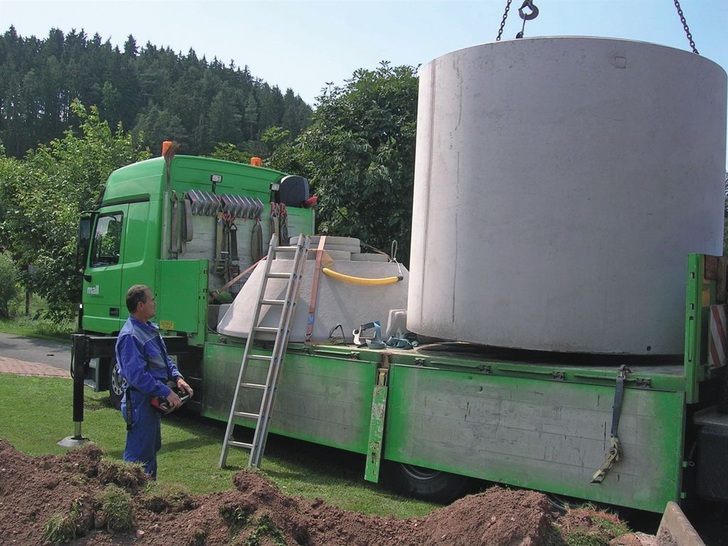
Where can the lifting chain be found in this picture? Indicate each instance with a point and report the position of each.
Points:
(503, 21)
(526, 16)
(685, 26)
(534, 13)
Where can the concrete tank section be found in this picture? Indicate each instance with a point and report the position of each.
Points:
(559, 185)
(338, 303)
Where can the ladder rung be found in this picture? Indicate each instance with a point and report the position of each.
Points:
(235, 443)
(246, 414)
(286, 249)
(279, 275)
(273, 302)
(262, 358)
(253, 386)
(265, 358)
(266, 329)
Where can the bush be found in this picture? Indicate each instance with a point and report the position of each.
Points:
(8, 284)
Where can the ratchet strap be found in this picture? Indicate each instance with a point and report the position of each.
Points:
(614, 453)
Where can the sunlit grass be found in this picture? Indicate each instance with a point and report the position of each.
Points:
(38, 328)
(34, 323)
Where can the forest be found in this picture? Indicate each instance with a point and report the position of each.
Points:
(153, 92)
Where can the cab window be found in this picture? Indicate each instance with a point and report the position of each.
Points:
(107, 240)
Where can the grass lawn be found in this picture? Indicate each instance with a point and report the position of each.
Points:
(38, 412)
(41, 329)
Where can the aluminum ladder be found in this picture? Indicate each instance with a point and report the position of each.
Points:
(274, 361)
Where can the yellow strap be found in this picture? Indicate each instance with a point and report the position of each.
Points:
(359, 280)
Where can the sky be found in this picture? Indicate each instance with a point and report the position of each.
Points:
(307, 44)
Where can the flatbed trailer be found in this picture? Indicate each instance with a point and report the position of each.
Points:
(525, 419)
(631, 431)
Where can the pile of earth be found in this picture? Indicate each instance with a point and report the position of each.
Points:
(34, 490)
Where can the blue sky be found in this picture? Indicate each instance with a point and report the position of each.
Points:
(304, 44)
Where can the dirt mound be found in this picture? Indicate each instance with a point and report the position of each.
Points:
(35, 489)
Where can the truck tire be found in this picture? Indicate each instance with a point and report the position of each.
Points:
(424, 483)
(116, 384)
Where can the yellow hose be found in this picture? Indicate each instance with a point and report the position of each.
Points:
(359, 280)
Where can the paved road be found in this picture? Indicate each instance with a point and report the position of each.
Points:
(39, 351)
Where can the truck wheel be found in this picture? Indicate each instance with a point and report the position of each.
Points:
(116, 384)
(426, 484)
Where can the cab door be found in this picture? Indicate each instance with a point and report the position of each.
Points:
(102, 297)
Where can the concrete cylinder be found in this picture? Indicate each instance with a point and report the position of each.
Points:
(559, 185)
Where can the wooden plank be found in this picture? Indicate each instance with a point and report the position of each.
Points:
(376, 434)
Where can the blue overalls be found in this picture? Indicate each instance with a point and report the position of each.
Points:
(144, 363)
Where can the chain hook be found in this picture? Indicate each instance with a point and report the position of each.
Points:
(528, 16)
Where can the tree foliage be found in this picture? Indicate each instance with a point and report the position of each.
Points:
(43, 195)
(157, 93)
(358, 154)
(8, 284)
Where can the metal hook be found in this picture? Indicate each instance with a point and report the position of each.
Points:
(528, 16)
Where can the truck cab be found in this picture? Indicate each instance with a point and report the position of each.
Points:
(186, 228)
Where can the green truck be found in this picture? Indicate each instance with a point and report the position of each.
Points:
(633, 431)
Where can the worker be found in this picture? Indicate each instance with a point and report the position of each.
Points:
(147, 368)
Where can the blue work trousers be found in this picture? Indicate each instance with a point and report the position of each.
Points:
(144, 438)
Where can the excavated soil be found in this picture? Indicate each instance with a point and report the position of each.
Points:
(253, 511)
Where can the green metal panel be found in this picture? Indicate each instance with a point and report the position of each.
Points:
(182, 296)
(237, 178)
(300, 221)
(537, 433)
(138, 180)
(319, 399)
(700, 294)
(141, 246)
